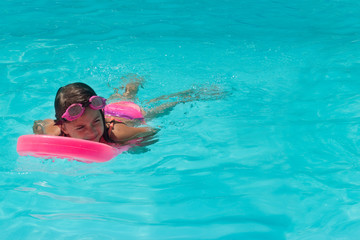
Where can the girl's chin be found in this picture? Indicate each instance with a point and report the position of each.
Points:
(96, 139)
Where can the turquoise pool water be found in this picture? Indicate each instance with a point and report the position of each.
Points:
(276, 159)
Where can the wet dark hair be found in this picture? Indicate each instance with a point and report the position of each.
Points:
(74, 93)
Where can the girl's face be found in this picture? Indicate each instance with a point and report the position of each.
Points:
(89, 126)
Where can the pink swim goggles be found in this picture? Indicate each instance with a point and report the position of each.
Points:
(76, 110)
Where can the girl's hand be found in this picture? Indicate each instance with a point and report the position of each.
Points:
(46, 127)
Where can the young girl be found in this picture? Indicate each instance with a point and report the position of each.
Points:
(80, 113)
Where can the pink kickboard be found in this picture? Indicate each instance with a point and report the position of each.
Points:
(64, 147)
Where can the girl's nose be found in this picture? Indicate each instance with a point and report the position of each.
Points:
(92, 133)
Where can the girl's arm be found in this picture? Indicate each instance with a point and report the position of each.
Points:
(46, 127)
(122, 133)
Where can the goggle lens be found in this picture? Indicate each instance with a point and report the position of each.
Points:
(97, 102)
(75, 110)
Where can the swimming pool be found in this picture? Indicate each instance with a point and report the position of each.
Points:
(276, 159)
